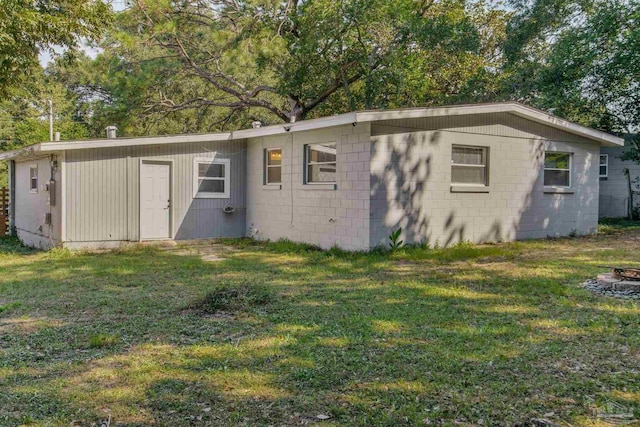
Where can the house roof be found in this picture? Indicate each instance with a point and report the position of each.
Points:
(515, 108)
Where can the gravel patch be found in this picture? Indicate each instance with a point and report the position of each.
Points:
(593, 286)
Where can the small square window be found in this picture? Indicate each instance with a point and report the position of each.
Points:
(211, 178)
(557, 169)
(33, 179)
(469, 165)
(320, 163)
(604, 165)
(273, 166)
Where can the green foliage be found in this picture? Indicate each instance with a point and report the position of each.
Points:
(195, 66)
(23, 115)
(578, 59)
(617, 225)
(394, 240)
(8, 307)
(187, 67)
(26, 27)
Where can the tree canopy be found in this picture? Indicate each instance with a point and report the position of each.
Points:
(27, 27)
(204, 65)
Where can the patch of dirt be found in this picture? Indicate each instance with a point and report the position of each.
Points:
(207, 250)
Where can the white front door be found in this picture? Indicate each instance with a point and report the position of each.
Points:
(155, 201)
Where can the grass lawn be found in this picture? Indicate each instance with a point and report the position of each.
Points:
(277, 334)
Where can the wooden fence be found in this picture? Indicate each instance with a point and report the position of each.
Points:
(4, 211)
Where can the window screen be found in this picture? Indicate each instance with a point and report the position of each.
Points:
(273, 166)
(557, 169)
(604, 165)
(211, 178)
(469, 165)
(321, 162)
(33, 179)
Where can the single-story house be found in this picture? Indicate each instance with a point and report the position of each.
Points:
(617, 188)
(476, 173)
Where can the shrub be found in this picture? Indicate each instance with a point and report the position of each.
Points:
(394, 240)
(233, 298)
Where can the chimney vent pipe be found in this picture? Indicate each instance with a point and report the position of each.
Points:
(111, 132)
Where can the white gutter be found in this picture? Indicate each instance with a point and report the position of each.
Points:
(131, 142)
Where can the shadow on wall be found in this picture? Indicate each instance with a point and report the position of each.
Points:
(399, 190)
(410, 188)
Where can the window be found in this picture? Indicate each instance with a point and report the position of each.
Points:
(604, 165)
(33, 179)
(468, 165)
(273, 166)
(320, 163)
(557, 169)
(211, 179)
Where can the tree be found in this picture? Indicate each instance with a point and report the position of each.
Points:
(24, 114)
(226, 62)
(578, 59)
(28, 26)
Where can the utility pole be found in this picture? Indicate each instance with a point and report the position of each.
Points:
(50, 120)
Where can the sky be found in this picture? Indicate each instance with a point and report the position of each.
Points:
(45, 57)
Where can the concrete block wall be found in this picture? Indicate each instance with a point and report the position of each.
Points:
(411, 188)
(319, 214)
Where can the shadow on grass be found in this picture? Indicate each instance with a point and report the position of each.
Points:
(488, 333)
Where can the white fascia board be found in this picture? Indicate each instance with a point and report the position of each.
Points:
(324, 122)
(414, 113)
(131, 142)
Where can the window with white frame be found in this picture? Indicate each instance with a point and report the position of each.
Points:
(273, 166)
(33, 179)
(469, 165)
(211, 178)
(320, 163)
(604, 165)
(557, 169)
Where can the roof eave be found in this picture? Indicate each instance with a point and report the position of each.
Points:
(132, 142)
(325, 122)
(508, 107)
(541, 117)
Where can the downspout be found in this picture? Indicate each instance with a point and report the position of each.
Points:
(12, 198)
(52, 200)
(630, 203)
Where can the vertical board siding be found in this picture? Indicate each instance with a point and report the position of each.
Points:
(103, 190)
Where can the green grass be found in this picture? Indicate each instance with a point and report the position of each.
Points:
(279, 333)
(612, 225)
